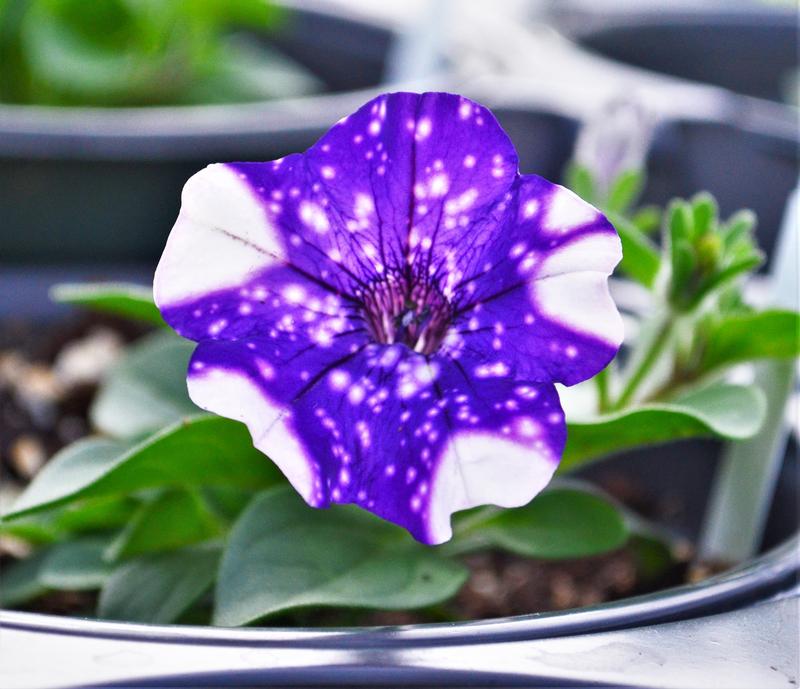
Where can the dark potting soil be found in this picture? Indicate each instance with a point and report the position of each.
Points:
(49, 377)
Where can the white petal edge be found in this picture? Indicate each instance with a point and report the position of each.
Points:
(598, 251)
(222, 238)
(234, 396)
(581, 302)
(566, 211)
(484, 469)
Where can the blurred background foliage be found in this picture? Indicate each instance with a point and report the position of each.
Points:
(142, 52)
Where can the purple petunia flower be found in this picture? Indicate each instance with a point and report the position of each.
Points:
(388, 311)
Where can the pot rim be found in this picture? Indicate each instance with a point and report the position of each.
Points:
(764, 575)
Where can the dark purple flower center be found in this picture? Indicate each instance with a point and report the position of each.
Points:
(409, 311)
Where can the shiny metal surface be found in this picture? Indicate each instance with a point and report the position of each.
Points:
(752, 645)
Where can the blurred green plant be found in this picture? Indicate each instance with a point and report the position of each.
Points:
(172, 512)
(141, 52)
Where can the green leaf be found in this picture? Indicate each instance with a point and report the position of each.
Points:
(32, 530)
(739, 228)
(147, 389)
(203, 450)
(724, 278)
(704, 212)
(97, 514)
(283, 554)
(683, 264)
(624, 191)
(558, 524)
(732, 412)
(647, 219)
(157, 589)
(117, 298)
(75, 565)
(173, 519)
(641, 260)
(771, 334)
(680, 222)
(579, 178)
(20, 580)
(653, 555)
(94, 514)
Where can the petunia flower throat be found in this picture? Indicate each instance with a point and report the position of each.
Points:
(388, 311)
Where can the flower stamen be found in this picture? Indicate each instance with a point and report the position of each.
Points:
(413, 313)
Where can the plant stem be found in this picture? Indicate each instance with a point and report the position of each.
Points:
(645, 364)
(603, 397)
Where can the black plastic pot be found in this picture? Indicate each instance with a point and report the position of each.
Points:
(745, 46)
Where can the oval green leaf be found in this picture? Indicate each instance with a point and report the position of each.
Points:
(773, 334)
(558, 524)
(75, 565)
(200, 451)
(147, 389)
(117, 298)
(21, 579)
(157, 589)
(641, 260)
(283, 554)
(173, 519)
(732, 412)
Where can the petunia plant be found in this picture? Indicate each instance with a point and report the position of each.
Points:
(377, 327)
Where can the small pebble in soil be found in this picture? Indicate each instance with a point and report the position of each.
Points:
(27, 455)
(86, 361)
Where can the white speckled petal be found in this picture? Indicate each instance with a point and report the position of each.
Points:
(221, 238)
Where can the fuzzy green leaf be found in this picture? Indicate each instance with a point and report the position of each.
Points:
(83, 516)
(579, 178)
(75, 565)
(680, 222)
(173, 519)
(704, 213)
(624, 191)
(117, 298)
(20, 579)
(647, 219)
(739, 229)
(200, 451)
(683, 264)
(732, 412)
(641, 260)
(283, 554)
(726, 276)
(560, 523)
(771, 334)
(147, 389)
(157, 589)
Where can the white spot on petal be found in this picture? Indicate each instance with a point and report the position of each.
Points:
(339, 379)
(313, 216)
